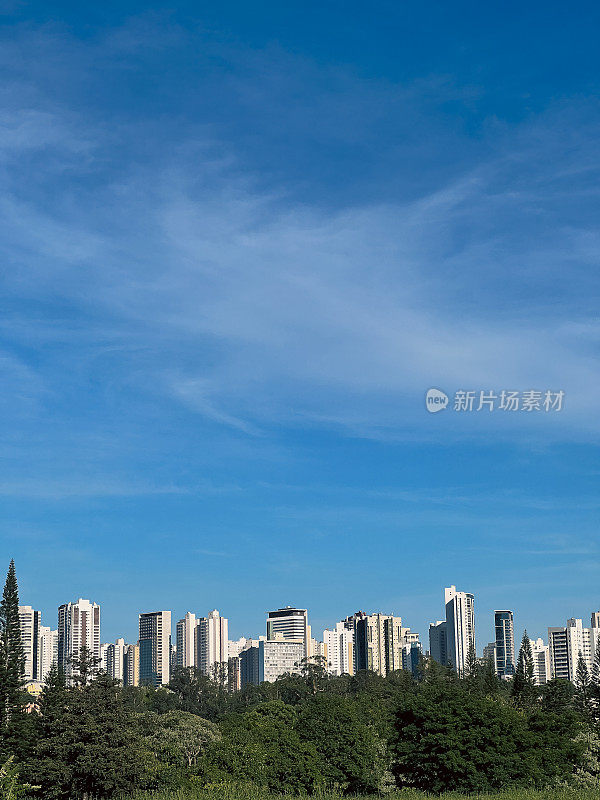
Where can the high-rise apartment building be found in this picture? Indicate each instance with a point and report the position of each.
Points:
(212, 646)
(78, 628)
(29, 623)
(460, 627)
(505, 644)
(249, 669)
(559, 653)
(541, 661)
(437, 642)
(451, 641)
(234, 668)
(186, 641)
(47, 651)
(412, 652)
(155, 648)
(565, 646)
(489, 654)
(104, 656)
(379, 641)
(291, 624)
(115, 660)
(338, 649)
(131, 665)
(579, 641)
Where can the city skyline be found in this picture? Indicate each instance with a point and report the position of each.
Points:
(458, 618)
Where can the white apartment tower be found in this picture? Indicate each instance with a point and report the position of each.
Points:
(47, 651)
(338, 647)
(451, 640)
(131, 666)
(186, 641)
(115, 660)
(567, 643)
(155, 648)
(212, 645)
(29, 622)
(78, 628)
(541, 661)
(579, 641)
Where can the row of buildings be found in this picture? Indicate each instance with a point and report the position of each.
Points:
(377, 642)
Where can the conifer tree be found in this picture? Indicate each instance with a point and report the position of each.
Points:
(470, 668)
(583, 688)
(12, 656)
(524, 690)
(85, 667)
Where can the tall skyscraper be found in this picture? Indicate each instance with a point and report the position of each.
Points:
(379, 641)
(291, 624)
(505, 644)
(186, 641)
(212, 645)
(47, 651)
(78, 627)
(460, 627)
(155, 648)
(29, 622)
(339, 649)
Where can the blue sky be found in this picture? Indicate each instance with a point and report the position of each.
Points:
(239, 242)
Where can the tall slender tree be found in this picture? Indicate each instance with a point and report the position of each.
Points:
(85, 667)
(12, 656)
(524, 689)
(595, 688)
(583, 688)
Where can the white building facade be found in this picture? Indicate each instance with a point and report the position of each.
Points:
(78, 628)
(212, 645)
(186, 641)
(338, 647)
(29, 623)
(277, 657)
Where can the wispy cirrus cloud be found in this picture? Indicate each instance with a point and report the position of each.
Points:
(227, 293)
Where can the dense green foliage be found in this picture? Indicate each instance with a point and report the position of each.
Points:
(305, 734)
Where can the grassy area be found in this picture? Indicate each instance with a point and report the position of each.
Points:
(236, 792)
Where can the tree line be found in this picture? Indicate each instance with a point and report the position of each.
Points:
(305, 732)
